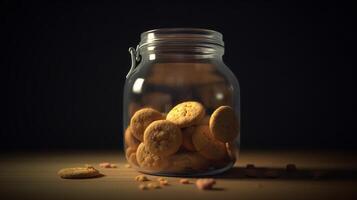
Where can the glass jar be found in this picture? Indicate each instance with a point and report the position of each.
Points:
(181, 104)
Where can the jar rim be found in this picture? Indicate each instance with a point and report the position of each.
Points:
(192, 36)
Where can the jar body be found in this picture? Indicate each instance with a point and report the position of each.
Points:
(161, 83)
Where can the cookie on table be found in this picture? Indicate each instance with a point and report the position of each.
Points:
(163, 138)
(207, 145)
(224, 124)
(186, 114)
(150, 161)
(129, 138)
(187, 138)
(79, 173)
(141, 119)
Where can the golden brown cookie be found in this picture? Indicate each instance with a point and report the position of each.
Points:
(186, 114)
(224, 124)
(129, 139)
(150, 161)
(141, 119)
(130, 155)
(162, 138)
(187, 138)
(207, 145)
(79, 172)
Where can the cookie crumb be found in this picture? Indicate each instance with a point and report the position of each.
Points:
(107, 165)
(127, 166)
(160, 179)
(153, 186)
(164, 182)
(184, 181)
(143, 187)
(104, 165)
(141, 178)
(205, 183)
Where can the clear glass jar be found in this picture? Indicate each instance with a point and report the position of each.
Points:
(181, 68)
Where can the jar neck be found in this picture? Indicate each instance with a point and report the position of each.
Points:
(181, 52)
(181, 44)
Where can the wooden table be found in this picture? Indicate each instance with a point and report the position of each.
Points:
(33, 176)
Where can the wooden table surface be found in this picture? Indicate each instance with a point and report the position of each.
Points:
(34, 176)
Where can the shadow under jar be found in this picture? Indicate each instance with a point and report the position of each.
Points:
(181, 104)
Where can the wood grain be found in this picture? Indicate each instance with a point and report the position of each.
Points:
(33, 176)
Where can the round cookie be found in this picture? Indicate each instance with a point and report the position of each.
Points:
(207, 145)
(129, 138)
(224, 124)
(187, 138)
(129, 151)
(130, 155)
(78, 172)
(162, 138)
(186, 114)
(148, 160)
(141, 119)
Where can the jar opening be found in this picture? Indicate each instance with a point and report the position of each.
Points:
(181, 36)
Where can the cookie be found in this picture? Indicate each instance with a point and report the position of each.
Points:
(150, 161)
(187, 161)
(186, 114)
(224, 124)
(205, 183)
(79, 172)
(141, 119)
(130, 155)
(130, 140)
(207, 145)
(187, 138)
(162, 138)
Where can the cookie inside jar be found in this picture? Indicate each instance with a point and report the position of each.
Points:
(186, 141)
(181, 104)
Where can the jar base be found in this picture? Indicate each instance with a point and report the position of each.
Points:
(192, 174)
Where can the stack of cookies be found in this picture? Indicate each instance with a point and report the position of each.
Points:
(185, 140)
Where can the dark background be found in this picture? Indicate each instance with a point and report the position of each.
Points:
(63, 69)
